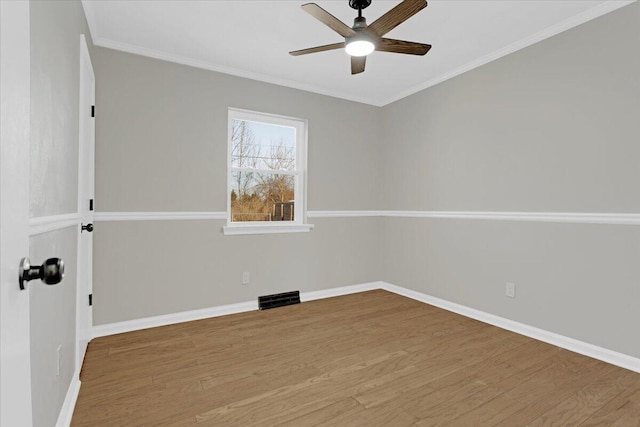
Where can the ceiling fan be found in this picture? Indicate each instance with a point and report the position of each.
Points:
(362, 39)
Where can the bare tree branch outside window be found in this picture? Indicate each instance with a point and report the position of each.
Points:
(257, 193)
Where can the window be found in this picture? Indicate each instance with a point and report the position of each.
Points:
(266, 173)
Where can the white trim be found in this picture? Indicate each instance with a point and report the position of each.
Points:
(156, 216)
(170, 319)
(236, 72)
(570, 217)
(266, 228)
(85, 71)
(596, 352)
(222, 310)
(588, 15)
(45, 224)
(299, 174)
(343, 214)
(69, 404)
(92, 22)
(567, 217)
(563, 217)
(86, 184)
(336, 292)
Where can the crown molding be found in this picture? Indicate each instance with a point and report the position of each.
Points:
(590, 14)
(236, 72)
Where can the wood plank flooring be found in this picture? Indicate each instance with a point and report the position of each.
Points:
(367, 359)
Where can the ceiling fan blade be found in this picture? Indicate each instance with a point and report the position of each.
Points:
(328, 19)
(396, 16)
(317, 49)
(401, 46)
(357, 64)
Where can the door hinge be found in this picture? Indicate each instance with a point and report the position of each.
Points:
(93, 111)
(90, 299)
(90, 204)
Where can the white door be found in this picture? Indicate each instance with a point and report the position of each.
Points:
(15, 360)
(86, 156)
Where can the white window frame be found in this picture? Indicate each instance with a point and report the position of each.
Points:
(299, 224)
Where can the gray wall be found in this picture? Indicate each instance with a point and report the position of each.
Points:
(55, 41)
(161, 137)
(53, 324)
(147, 268)
(551, 128)
(161, 145)
(55, 62)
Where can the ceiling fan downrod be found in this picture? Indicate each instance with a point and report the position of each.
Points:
(360, 21)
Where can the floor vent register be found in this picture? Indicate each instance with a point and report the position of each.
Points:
(278, 300)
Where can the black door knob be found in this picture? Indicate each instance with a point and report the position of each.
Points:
(87, 227)
(50, 272)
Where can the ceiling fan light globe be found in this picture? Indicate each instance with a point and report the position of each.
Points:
(359, 48)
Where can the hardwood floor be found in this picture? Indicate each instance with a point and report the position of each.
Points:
(368, 359)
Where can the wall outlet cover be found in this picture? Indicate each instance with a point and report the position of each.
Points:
(510, 290)
(58, 359)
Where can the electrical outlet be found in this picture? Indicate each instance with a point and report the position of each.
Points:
(245, 278)
(58, 356)
(510, 290)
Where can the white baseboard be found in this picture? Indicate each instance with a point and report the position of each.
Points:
(336, 292)
(170, 319)
(222, 310)
(594, 351)
(600, 353)
(69, 404)
(82, 351)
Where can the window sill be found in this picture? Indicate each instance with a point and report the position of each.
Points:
(265, 229)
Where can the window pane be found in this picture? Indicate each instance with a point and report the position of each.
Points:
(263, 146)
(262, 196)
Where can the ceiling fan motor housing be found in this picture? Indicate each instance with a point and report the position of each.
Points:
(359, 23)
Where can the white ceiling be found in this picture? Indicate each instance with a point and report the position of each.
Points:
(252, 39)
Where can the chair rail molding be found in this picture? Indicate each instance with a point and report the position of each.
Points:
(157, 216)
(558, 217)
(568, 217)
(45, 224)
